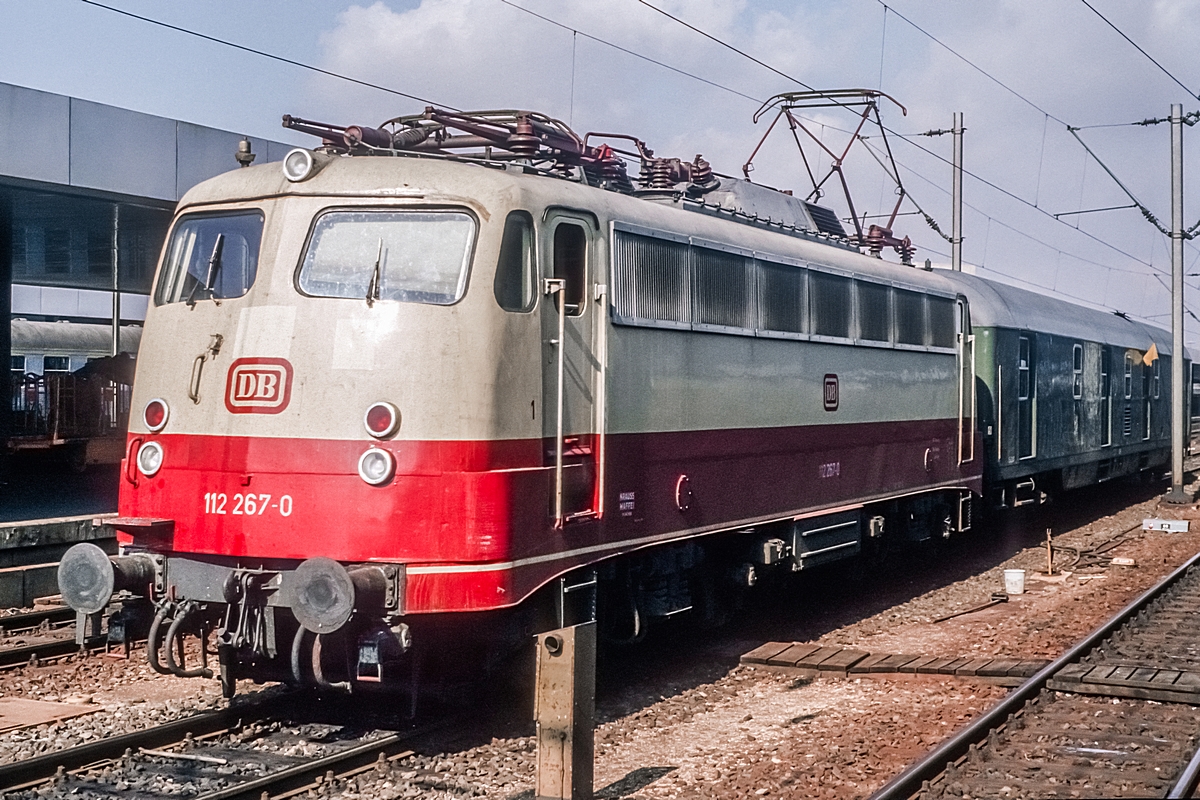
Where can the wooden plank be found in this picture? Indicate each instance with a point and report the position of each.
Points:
(917, 664)
(971, 668)
(1027, 668)
(1116, 690)
(814, 659)
(935, 666)
(896, 663)
(870, 664)
(1120, 674)
(789, 657)
(1100, 674)
(948, 669)
(998, 668)
(1165, 679)
(1142, 676)
(843, 661)
(763, 653)
(1187, 682)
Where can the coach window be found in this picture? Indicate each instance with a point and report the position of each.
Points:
(210, 257)
(570, 263)
(941, 321)
(1105, 398)
(874, 312)
(829, 305)
(1128, 376)
(514, 284)
(56, 365)
(910, 317)
(1157, 377)
(1077, 371)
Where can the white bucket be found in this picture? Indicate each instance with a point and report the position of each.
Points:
(1014, 581)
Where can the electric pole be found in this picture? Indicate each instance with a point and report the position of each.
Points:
(1178, 411)
(956, 237)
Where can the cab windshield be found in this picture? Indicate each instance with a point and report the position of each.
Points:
(210, 257)
(409, 256)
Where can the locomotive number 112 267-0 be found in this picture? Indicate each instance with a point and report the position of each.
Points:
(248, 505)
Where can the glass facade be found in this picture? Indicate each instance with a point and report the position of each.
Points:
(60, 240)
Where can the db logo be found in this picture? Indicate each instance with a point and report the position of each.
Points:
(258, 386)
(831, 392)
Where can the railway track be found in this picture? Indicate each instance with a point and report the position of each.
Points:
(252, 751)
(1116, 716)
(43, 625)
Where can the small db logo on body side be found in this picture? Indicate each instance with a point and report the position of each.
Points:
(258, 386)
(831, 392)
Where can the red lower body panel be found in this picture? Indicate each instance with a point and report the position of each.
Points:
(473, 521)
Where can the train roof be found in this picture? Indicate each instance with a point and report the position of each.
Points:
(1002, 306)
(70, 337)
(992, 304)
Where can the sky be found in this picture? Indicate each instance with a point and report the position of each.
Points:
(1020, 72)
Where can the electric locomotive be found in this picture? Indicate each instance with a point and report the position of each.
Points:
(460, 378)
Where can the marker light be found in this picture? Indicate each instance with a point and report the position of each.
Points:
(155, 414)
(298, 164)
(381, 420)
(375, 466)
(150, 458)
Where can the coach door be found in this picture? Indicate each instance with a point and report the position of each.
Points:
(1026, 392)
(570, 367)
(966, 384)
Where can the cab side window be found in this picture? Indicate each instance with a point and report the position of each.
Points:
(570, 263)
(514, 286)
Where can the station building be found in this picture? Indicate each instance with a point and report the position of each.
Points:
(87, 191)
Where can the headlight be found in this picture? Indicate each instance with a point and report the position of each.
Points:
(381, 420)
(150, 458)
(298, 164)
(155, 414)
(376, 466)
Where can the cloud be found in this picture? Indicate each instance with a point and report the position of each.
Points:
(1060, 57)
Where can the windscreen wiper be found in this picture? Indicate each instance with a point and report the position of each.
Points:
(214, 269)
(373, 286)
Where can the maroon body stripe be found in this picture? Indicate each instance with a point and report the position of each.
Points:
(460, 513)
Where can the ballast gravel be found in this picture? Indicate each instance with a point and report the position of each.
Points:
(679, 718)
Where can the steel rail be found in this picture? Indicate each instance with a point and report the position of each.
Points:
(351, 761)
(909, 782)
(54, 648)
(1186, 783)
(39, 769)
(25, 620)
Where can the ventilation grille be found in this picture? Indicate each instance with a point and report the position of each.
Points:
(1127, 421)
(826, 220)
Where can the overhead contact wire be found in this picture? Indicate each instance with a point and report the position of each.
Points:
(1138, 47)
(266, 54)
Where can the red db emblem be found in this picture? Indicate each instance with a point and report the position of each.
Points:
(258, 386)
(831, 392)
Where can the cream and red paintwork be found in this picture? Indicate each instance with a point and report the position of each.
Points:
(470, 511)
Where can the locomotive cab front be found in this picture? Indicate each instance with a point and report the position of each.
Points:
(340, 408)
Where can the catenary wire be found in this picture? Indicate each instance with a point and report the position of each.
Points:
(627, 51)
(266, 54)
(1138, 47)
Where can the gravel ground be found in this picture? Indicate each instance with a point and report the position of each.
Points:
(677, 717)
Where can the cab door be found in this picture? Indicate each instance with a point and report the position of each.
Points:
(570, 367)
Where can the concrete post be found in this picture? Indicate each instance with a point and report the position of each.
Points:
(116, 279)
(565, 705)
(956, 236)
(1179, 422)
